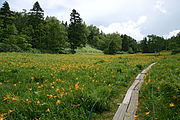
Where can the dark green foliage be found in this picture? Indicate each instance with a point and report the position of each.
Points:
(56, 35)
(6, 15)
(114, 43)
(129, 44)
(77, 32)
(152, 44)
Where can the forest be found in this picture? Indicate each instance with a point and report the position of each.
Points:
(31, 31)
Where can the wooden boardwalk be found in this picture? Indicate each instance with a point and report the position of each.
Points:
(128, 107)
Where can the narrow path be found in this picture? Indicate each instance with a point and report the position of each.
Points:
(128, 107)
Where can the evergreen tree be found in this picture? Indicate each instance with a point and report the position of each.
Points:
(77, 32)
(6, 15)
(36, 15)
(36, 20)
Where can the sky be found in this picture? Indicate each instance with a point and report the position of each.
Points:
(136, 18)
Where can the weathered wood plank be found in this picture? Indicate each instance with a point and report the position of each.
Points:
(127, 97)
(120, 112)
(127, 109)
(135, 83)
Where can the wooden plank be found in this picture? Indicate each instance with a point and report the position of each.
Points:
(120, 112)
(127, 109)
(135, 83)
(131, 110)
(138, 76)
(127, 97)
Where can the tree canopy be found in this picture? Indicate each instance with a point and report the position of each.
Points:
(31, 31)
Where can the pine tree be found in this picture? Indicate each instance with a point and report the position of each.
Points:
(36, 20)
(6, 15)
(77, 32)
(36, 15)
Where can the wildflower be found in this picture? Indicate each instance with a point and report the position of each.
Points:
(39, 87)
(6, 98)
(137, 104)
(50, 96)
(32, 78)
(30, 89)
(174, 97)
(171, 104)
(147, 113)
(58, 102)
(15, 99)
(77, 86)
(55, 96)
(57, 90)
(136, 116)
(144, 76)
(109, 85)
(10, 111)
(76, 105)
(76, 78)
(14, 85)
(48, 110)
(104, 81)
(2, 116)
(158, 88)
(62, 94)
(92, 80)
(38, 102)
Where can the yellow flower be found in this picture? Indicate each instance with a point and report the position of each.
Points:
(137, 104)
(15, 99)
(14, 85)
(77, 86)
(171, 104)
(50, 96)
(147, 113)
(62, 94)
(48, 110)
(174, 97)
(76, 105)
(2, 116)
(38, 102)
(57, 89)
(10, 111)
(76, 78)
(30, 89)
(136, 116)
(158, 88)
(32, 78)
(58, 102)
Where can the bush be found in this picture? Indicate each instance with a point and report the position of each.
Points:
(175, 51)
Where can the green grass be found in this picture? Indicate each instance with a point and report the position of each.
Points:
(50, 86)
(160, 95)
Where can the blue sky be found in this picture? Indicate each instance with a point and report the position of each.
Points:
(136, 18)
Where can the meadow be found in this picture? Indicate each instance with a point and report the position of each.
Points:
(160, 93)
(55, 86)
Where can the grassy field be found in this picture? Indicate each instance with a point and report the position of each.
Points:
(65, 87)
(160, 93)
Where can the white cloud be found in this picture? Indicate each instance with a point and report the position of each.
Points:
(160, 6)
(170, 34)
(130, 28)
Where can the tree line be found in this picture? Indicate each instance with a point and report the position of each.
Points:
(32, 32)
